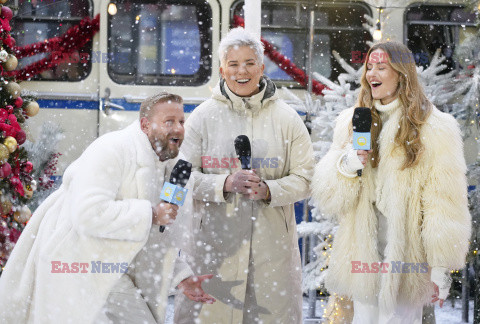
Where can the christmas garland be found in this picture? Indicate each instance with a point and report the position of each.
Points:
(283, 62)
(72, 40)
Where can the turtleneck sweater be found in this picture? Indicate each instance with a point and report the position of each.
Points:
(387, 110)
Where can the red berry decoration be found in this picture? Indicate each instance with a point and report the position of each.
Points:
(18, 102)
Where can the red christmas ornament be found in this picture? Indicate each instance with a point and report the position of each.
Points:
(5, 170)
(18, 102)
(28, 167)
(21, 137)
(9, 109)
(7, 13)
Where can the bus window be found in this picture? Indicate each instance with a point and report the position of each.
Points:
(38, 20)
(338, 26)
(430, 27)
(160, 43)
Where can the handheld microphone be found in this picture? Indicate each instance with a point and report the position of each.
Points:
(174, 192)
(244, 151)
(361, 122)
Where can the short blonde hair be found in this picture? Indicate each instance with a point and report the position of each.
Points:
(239, 37)
(150, 102)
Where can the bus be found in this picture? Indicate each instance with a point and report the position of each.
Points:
(143, 47)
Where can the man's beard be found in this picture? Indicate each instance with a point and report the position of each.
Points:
(161, 147)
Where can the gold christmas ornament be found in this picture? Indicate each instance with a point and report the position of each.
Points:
(22, 215)
(4, 153)
(3, 1)
(11, 143)
(13, 89)
(17, 216)
(11, 63)
(26, 212)
(32, 108)
(6, 206)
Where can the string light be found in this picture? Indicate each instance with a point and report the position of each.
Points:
(112, 8)
(377, 33)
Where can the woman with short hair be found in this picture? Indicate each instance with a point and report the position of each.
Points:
(245, 232)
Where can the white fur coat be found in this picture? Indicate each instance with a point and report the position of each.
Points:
(425, 206)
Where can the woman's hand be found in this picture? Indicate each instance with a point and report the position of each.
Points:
(435, 296)
(242, 182)
(363, 156)
(258, 192)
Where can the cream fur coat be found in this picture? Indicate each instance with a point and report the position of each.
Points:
(425, 206)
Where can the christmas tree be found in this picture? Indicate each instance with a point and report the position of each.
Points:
(17, 184)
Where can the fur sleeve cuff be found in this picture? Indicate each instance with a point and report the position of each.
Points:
(349, 163)
(441, 277)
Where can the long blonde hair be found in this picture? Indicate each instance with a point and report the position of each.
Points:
(415, 106)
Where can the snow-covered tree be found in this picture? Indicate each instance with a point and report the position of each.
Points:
(44, 156)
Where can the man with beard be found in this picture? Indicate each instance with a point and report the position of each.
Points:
(92, 252)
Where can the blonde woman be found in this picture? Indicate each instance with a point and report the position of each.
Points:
(404, 224)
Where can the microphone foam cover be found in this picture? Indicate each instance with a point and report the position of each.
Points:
(181, 173)
(243, 150)
(362, 120)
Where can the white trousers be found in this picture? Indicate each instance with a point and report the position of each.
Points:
(371, 314)
(125, 306)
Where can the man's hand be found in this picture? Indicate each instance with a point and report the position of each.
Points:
(242, 181)
(164, 213)
(435, 296)
(192, 288)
